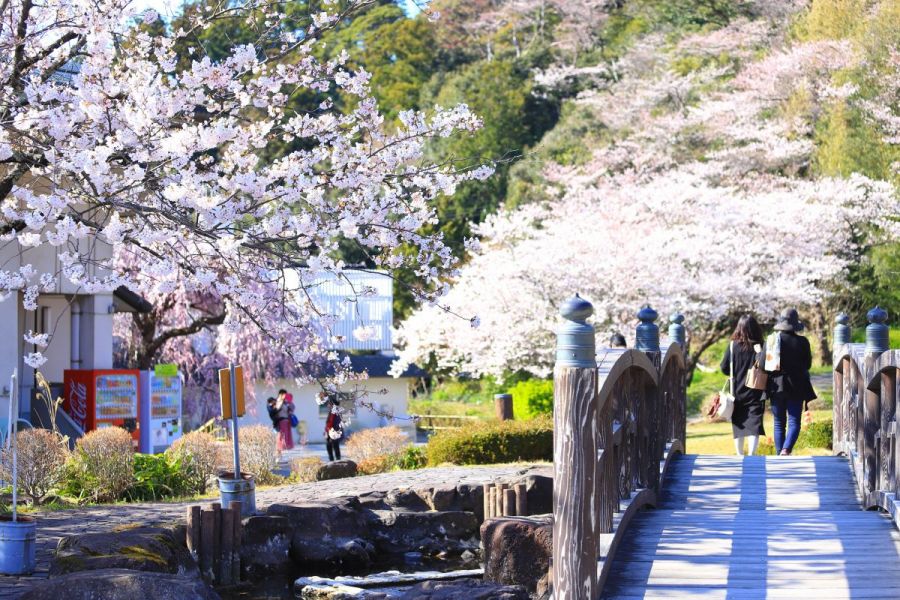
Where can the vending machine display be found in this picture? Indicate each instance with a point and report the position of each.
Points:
(160, 411)
(103, 398)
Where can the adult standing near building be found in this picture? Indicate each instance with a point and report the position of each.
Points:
(788, 360)
(284, 411)
(334, 429)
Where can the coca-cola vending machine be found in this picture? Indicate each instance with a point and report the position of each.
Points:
(103, 398)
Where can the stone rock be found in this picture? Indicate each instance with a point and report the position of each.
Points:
(444, 499)
(429, 532)
(158, 549)
(120, 584)
(471, 498)
(339, 469)
(374, 501)
(465, 588)
(333, 532)
(539, 493)
(406, 500)
(266, 545)
(517, 550)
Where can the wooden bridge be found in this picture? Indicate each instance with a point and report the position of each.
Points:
(636, 517)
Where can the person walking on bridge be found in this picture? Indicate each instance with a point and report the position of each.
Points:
(742, 353)
(788, 360)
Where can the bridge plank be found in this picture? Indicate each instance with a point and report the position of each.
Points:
(757, 527)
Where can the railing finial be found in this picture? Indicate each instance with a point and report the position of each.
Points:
(677, 332)
(841, 331)
(647, 338)
(877, 333)
(575, 339)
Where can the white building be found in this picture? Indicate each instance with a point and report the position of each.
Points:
(342, 298)
(80, 326)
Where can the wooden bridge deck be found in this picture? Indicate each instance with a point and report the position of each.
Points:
(738, 528)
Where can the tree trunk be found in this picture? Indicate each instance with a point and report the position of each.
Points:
(820, 330)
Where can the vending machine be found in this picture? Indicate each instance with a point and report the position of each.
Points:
(160, 409)
(103, 398)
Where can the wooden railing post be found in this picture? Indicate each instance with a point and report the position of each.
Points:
(840, 417)
(575, 460)
(877, 335)
(677, 332)
(649, 446)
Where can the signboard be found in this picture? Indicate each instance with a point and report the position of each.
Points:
(225, 391)
(166, 370)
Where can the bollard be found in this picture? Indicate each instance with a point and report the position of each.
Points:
(503, 407)
(841, 331)
(575, 443)
(647, 338)
(677, 332)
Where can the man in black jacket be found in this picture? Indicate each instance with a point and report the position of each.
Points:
(789, 386)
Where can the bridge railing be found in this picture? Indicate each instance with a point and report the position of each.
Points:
(618, 415)
(865, 411)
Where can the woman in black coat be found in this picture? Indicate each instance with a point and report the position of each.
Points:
(788, 359)
(747, 418)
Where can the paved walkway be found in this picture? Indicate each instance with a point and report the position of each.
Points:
(732, 528)
(54, 525)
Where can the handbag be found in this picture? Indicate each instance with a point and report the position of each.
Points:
(294, 420)
(756, 376)
(723, 404)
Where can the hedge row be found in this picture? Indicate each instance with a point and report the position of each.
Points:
(493, 442)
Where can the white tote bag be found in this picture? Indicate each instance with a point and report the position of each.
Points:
(726, 398)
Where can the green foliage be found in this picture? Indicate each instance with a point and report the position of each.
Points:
(157, 477)
(493, 442)
(831, 20)
(847, 143)
(532, 398)
(818, 434)
(410, 458)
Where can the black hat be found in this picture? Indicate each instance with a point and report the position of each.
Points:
(789, 321)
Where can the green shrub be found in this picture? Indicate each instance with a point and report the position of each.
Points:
(816, 435)
(102, 466)
(197, 453)
(159, 476)
(412, 457)
(532, 398)
(493, 442)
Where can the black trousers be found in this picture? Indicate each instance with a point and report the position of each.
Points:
(334, 448)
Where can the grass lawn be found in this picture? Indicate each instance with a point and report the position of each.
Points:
(716, 438)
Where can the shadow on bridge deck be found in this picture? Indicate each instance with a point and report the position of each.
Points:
(738, 528)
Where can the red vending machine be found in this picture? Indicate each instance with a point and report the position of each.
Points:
(103, 398)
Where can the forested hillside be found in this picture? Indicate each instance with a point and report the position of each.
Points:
(709, 157)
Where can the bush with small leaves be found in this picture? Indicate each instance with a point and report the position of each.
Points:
(41, 458)
(411, 457)
(493, 442)
(371, 443)
(258, 453)
(375, 464)
(102, 467)
(197, 453)
(304, 469)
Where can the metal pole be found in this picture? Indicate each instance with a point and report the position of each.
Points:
(13, 400)
(234, 423)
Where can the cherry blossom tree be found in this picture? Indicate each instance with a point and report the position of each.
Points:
(104, 142)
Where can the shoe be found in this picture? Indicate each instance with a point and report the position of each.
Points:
(785, 452)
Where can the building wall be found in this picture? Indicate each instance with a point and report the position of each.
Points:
(396, 398)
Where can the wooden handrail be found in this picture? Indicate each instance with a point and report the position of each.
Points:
(618, 416)
(865, 416)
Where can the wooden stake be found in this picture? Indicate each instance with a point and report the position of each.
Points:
(521, 500)
(227, 547)
(217, 538)
(486, 500)
(500, 488)
(193, 530)
(509, 503)
(207, 529)
(235, 506)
